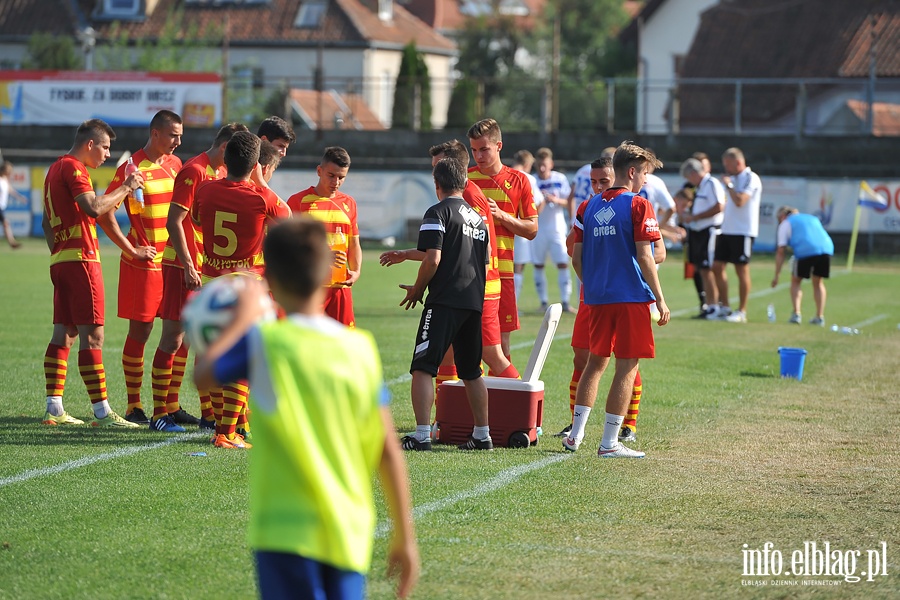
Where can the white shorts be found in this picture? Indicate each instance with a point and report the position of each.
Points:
(521, 251)
(551, 243)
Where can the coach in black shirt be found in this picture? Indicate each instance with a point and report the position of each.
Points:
(456, 244)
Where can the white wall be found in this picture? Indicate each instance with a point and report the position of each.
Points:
(668, 33)
(383, 67)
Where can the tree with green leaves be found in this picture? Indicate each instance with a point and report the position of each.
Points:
(412, 93)
(589, 54)
(53, 53)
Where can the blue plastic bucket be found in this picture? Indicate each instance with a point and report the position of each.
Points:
(792, 360)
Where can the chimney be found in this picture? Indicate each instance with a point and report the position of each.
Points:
(386, 10)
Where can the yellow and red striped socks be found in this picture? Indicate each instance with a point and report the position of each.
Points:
(635, 406)
(510, 372)
(206, 406)
(133, 367)
(445, 373)
(162, 378)
(234, 398)
(178, 367)
(90, 365)
(55, 369)
(573, 387)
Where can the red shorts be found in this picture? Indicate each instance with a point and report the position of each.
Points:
(490, 323)
(77, 293)
(581, 330)
(508, 312)
(339, 305)
(622, 329)
(174, 293)
(140, 293)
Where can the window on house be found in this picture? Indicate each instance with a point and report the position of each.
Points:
(477, 8)
(121, 7)
(311, 13)
(678, 64)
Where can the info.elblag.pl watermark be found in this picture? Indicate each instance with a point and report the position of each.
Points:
(813, 564)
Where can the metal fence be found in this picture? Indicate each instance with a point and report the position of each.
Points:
(802, 107)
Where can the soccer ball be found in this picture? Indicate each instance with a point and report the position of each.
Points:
(211, 309)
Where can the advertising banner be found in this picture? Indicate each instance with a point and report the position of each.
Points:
(119, 98)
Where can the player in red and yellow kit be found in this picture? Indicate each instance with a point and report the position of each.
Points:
(512, 205)
(181, 275)
(232, 215)
(70, 207)
(324, 202)
(140, 280)
(490, 323)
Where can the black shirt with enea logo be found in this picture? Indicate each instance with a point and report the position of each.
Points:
(454, 228)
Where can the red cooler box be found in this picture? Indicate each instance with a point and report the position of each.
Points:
(515, 412)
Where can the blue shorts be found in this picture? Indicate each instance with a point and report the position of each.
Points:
(287, 576)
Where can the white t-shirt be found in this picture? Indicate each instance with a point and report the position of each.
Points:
(535, 190)
(582, 185)
(710, 192)
(656, 192)
(4, 193)
(744, 220)
(554, 219)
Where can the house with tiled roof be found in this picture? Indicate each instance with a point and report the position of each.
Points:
(350, 47)
(773, 66)
(837, 58)
(661, 34)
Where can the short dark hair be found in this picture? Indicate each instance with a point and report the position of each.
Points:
(163, 118)
(226, 131)
(269, 156)
(297, 255)
(276, 128)
(336, 155)
(450, 175)
(451, 149)
(92, 129)
(241, 153)
(604, 162)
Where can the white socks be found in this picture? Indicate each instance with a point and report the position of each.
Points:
(565, 285)
(55, 406)
(517, 280)
(481, 433)
(611, 431)
(101, 409)
(423, 433)
(579, 420)
(540, 284)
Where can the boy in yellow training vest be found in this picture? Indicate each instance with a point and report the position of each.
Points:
(312, 514)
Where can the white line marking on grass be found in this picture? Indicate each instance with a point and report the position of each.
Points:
(89, 460)
(500, 480)
(869, 321)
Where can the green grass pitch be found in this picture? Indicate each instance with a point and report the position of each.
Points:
(735, 456)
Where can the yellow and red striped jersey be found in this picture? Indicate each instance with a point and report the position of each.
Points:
(511, 191)
(148, 220)
(192, 174)
(475, 198)
(339, 211)
(232, 217)
(74, 231)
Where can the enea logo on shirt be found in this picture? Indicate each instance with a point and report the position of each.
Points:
(603, 217)
(471, 219)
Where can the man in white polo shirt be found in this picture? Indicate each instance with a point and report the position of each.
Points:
(740, 227)
(703, 223)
